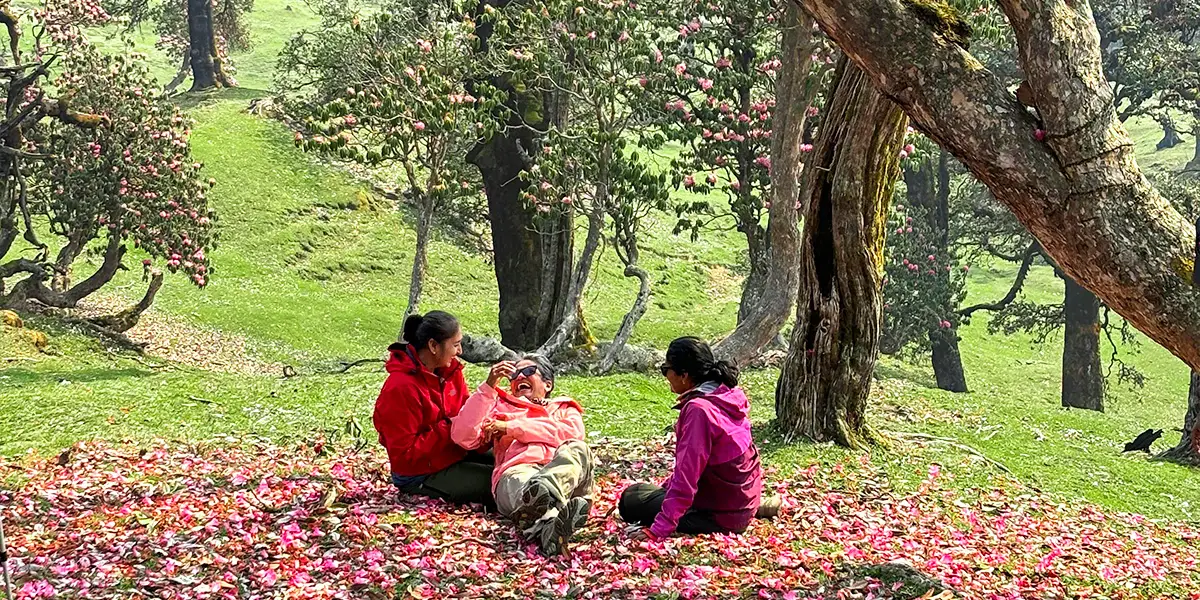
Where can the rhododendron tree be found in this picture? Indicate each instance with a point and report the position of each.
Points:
(405, 103)
(925, 278)
(121, 175)
(596, 54)
(718, 90)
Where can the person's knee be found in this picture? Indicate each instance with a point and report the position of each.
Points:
(630, 501)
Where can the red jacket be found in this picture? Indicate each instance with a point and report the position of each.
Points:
(413, 412)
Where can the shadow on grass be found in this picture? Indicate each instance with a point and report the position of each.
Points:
(27, 377)
(905, 372)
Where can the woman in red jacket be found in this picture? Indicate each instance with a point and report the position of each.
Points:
(425, 388)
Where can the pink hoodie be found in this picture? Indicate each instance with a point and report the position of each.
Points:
(716, 463)
(534, 431)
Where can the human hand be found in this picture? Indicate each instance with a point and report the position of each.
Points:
(499, 371)
(642, 534)
(495, 429)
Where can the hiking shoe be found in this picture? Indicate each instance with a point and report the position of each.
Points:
(768, 507)
(554, 540)
(537, 499)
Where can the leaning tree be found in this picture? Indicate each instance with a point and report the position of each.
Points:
(1077, 186)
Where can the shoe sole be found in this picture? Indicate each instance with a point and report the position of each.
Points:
(535, 501)
(555, 540)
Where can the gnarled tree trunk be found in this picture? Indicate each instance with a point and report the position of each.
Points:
(533, 262)
(640, 304)
(202, 47)
(1193, 165)
(1170, 137)
(826, 378)
(570, 325)
(762, 314)
(1187, 451)
(1077, 187)
(1082, 379)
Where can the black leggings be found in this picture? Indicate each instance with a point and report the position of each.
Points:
(641, 502)
(466, 482)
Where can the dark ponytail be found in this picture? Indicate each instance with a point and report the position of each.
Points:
(435, 325)
(692, 356)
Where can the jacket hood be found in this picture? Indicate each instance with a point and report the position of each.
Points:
(402, 358)
(730, 401)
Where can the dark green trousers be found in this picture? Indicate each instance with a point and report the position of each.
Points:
(466, 482)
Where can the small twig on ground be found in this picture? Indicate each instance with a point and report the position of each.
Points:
(263, 506)
(952, 443)
(202, 400)
(346, 366)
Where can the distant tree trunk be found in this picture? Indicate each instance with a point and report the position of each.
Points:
(1194, 164)
(420, 261)
(931, 191)
(1187, 451)
(202, 47)
(826, 378)
(762, 314)
(1170, 137)
(1082, 379)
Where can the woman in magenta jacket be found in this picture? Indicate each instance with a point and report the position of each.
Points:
(717, 482)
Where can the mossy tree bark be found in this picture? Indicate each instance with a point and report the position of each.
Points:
(1078, 190)
(826, 378)
(207, 65)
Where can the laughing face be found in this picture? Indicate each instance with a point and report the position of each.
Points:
(527, 382)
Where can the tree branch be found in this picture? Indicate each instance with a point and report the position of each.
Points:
(1078, 189)
(1027, 261)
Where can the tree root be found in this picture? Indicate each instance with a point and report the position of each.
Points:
(952, 443)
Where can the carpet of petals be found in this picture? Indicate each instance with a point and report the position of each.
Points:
(256, 520)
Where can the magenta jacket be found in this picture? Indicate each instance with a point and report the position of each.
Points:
(716, 464)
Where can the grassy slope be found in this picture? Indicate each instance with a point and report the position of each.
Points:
(307, 281)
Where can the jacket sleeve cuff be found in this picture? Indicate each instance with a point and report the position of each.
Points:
(660, 529)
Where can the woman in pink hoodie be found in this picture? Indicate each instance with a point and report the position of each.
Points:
(717, 482)
(543, 474)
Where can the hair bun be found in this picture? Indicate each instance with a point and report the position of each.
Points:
(411, 325)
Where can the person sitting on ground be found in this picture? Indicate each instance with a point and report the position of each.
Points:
(716, 486)
(425, 388)
(543, 474)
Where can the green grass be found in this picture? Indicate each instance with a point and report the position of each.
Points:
(307, 280)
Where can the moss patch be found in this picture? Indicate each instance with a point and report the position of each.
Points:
(944, 19)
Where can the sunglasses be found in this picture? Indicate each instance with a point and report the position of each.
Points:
(526, 372)
(663, 368)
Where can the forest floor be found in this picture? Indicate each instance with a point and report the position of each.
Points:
(308, 275)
